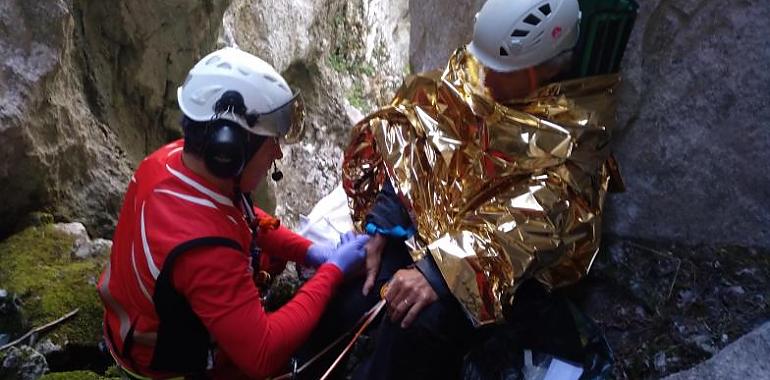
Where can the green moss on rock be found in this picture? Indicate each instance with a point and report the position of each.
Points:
(74, 375)
(38, 267)
(113, 372)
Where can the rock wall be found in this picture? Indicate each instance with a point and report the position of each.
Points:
(86, 90)
(438, 28)
(694, 136)
(350, 55)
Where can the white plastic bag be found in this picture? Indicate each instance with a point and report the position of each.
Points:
(329, 219)
(547, 367)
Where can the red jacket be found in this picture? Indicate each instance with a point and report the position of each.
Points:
(166, 205)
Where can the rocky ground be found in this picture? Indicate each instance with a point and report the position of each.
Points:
(745, 358)
(49, 270)
(665, 307)
(662, 307)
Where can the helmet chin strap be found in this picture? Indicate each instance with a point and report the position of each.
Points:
(532, 79)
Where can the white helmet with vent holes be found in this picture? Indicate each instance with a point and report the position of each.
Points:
(510, 35)
(272, 108)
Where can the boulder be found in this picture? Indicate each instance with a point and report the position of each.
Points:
(23, 363)
(438, 28)
(86, 90)
(746, 358)
(693, 141)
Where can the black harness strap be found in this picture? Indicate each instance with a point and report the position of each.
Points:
(183, 342)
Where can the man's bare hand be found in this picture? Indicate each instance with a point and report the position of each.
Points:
(373, 257)
(408, 293)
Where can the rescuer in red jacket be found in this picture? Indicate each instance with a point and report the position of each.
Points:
(179, 295)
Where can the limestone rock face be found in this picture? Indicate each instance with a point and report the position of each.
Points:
(438, 28)
(694, 136)
(346, 55)
(86, 90)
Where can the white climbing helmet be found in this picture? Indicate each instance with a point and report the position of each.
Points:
(509, 35)
(271, 107)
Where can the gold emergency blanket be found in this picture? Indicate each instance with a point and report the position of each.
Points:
(498, 193)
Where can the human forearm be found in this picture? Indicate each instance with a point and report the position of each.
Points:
(388, 216)
(260, 344)
(218, 285)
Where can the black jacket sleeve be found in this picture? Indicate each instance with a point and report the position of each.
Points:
(389, 218)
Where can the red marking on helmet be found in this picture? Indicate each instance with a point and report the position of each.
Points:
(556, 32)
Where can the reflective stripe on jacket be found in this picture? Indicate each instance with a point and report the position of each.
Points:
(166, 207)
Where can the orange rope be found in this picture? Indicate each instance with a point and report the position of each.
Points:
(370, 317)
(358, 327)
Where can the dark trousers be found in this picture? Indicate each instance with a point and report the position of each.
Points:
(431, 348)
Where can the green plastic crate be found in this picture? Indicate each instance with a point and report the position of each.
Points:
(604, 30)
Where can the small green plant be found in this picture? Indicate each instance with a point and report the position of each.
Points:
(365, 68)
(356, 98)
(347, 44)
(338, 63)
(353, 66)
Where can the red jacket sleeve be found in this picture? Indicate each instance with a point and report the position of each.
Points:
(218, 285)
(283, 242)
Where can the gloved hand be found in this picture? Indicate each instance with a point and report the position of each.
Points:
(350, 254)
(346, 237)
(318, 254)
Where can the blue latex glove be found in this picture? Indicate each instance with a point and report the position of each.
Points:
(318, 254)
(346, 237)
(350, 254)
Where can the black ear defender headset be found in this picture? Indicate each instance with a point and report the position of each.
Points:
(227, 146)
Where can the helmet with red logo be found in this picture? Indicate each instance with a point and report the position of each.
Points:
(270, 106)
(510, 35)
